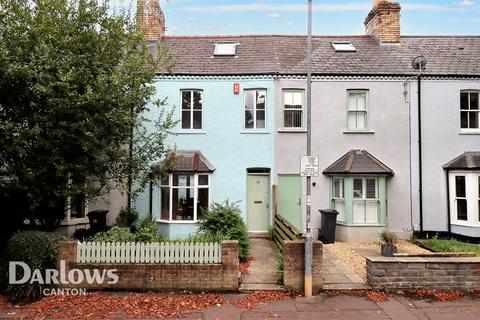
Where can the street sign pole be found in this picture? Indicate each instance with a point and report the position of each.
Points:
(308, 236)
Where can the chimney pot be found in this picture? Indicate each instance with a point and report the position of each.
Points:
(150, 19)
(383, 21)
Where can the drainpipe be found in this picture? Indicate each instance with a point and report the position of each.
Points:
(420, 163)
(448, 203)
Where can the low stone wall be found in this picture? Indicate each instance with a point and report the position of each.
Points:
(440, 272)
(137, 276)
(294, 264)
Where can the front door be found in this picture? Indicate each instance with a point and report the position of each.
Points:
(289, 199)
(257, 202)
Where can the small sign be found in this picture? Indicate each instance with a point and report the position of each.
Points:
(309, 166)
(236, 88)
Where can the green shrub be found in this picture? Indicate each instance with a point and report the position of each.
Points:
(147, 231)
(128, 218)
(115, 234)
(225, 220)
(271, 232)
(202, 237)
(38, 250)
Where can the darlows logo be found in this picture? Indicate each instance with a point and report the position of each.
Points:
(57, 277)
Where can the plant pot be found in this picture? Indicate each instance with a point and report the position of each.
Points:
(387, 250)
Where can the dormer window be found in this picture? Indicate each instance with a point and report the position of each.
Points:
(225, 49)
(343, 47)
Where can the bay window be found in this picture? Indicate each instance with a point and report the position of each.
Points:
(465, 198)
(359, 200)
(338, 199)
(183, 197)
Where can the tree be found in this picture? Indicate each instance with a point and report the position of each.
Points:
(75, 82)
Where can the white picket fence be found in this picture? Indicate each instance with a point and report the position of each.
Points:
(105, 252)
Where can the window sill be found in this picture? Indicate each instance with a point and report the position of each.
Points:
(359, 132)
(191, 132)
(292, 130)
(469, 132)
(73, 222)
(253, 131)
(177, 222)
(361, 225)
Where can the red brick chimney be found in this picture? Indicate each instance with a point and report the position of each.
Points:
(383, 21)
(150, 19)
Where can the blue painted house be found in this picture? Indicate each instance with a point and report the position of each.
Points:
(224, 137)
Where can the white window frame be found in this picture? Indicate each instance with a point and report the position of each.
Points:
(225, 49)
(472, 196)
(469, 110)
(367, 113)
(192, 110)
(254, 109)
(302, 109)
(68, 220)
(171, 187)
(364, 199)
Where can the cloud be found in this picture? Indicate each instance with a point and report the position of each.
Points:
(274, 15)
(466, 21)
(325, 7)
(465, 4)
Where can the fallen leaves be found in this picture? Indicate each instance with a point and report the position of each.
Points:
(99, 305)
(373, 295)
(251, 300)
(439, 295)
(245, 265)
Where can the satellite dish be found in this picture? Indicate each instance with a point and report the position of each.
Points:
(419, 63)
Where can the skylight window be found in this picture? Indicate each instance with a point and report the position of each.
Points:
(343, 47)
(225, 49)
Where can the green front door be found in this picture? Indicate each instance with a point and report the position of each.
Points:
(289, 199)
(257, 202)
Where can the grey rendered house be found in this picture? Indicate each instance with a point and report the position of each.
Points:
(365, 131)
(450, 140)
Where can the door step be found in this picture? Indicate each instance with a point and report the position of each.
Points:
(258, 235)
(251, 287)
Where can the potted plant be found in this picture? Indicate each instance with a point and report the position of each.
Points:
(388, 240)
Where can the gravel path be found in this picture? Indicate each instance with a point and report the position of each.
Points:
(350, 253)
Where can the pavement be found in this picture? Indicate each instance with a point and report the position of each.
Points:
(346, 307)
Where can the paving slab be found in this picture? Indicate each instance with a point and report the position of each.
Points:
(337, 275)
(396, 311)
(350, 303)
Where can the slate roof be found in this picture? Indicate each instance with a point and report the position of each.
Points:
(358, 162)
(191, 161)
(468, 160)
(286, 55)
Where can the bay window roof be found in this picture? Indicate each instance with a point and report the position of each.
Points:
(467, 161)
(358, 162)
(190, 161)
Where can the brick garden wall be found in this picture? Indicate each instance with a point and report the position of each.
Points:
(151, 276)
(294, 264)
(424, 272)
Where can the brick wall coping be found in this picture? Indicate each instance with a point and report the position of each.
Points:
(437, 254)
(425, 259)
